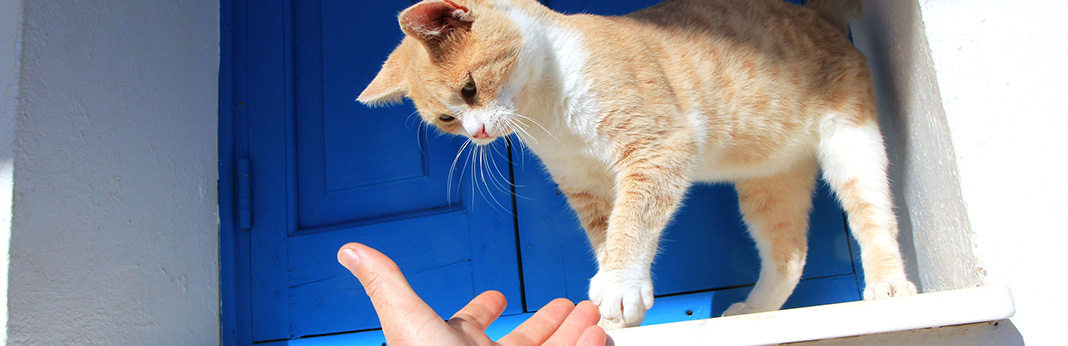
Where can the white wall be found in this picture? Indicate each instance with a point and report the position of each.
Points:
(114, 236)
(1003, 70)
(10, 51)
(936, 232)
(974, 107)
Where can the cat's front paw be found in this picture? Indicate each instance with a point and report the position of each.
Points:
(897, 287)
(622, 297)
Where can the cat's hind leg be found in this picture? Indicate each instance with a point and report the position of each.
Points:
(854, 163)
(775, 209)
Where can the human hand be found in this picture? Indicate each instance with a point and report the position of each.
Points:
(407, 320)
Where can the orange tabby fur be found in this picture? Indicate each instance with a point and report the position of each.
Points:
(627, 112)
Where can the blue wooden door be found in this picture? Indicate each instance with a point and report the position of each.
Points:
(326, 170)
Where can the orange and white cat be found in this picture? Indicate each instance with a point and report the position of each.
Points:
(628, 112)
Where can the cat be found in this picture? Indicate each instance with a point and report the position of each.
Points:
(626, 113)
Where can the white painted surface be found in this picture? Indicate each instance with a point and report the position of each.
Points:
(1002, 68)
(115, 227)
(973, 106)
(936, 232)
(831, 321)
(10, 53)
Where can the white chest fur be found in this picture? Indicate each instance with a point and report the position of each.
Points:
(553, 94)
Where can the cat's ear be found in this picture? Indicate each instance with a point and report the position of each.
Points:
(391, 83)
(434, 22)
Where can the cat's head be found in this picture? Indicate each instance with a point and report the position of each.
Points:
(456, 64)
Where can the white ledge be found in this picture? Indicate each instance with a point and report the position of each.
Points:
(928, 310)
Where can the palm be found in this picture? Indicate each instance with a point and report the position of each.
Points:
(407, 320)
(557, 323)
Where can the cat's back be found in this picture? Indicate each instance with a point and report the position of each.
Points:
(680, 47)
(763, 25)
(752, 78)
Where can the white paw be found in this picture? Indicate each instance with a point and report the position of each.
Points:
(622, 297)
(741, 308)
(889, 288)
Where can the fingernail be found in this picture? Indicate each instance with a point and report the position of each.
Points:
(348, 258)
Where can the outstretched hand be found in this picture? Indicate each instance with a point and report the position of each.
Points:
(407, 320)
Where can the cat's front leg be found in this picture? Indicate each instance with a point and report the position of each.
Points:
(593, 208)
(651, 180)
(631, 287)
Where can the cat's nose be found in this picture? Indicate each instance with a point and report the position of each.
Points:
(482, 132)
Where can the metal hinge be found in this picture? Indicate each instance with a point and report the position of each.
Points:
(244, 194)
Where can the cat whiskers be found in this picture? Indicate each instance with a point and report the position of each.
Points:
(479, 158)
(514, 126)
(522, 144)
(421, 141)
(508, 147)
(482, 161)
(532, 121)
(452, 169)
(493, 164)
(409, 119)
(521, 132)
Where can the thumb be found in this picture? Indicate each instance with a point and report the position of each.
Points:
(402, 313)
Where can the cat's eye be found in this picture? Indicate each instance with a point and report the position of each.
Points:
(469, 91)
(446, 118)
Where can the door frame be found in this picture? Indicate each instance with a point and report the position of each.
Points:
(234, 311)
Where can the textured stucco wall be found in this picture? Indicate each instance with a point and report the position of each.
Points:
(1002, 68)
(973, 107)
(10, 49)
(115, 227)
(936, 232)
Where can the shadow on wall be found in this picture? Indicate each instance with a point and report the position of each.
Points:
(1000, 333)
(892, 118)
(936, 235)
(1009, 335)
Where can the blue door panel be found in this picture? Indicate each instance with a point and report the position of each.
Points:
(349, 154)
(327, 170)
(324, 297)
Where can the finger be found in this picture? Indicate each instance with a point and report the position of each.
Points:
(592, 336)
(482, 310)
(402, 313)
(584, 315)
(536, 329)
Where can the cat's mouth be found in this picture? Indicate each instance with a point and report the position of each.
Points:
(481, 137)
(482, 133)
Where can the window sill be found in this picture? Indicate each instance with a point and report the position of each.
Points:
(832, 321)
